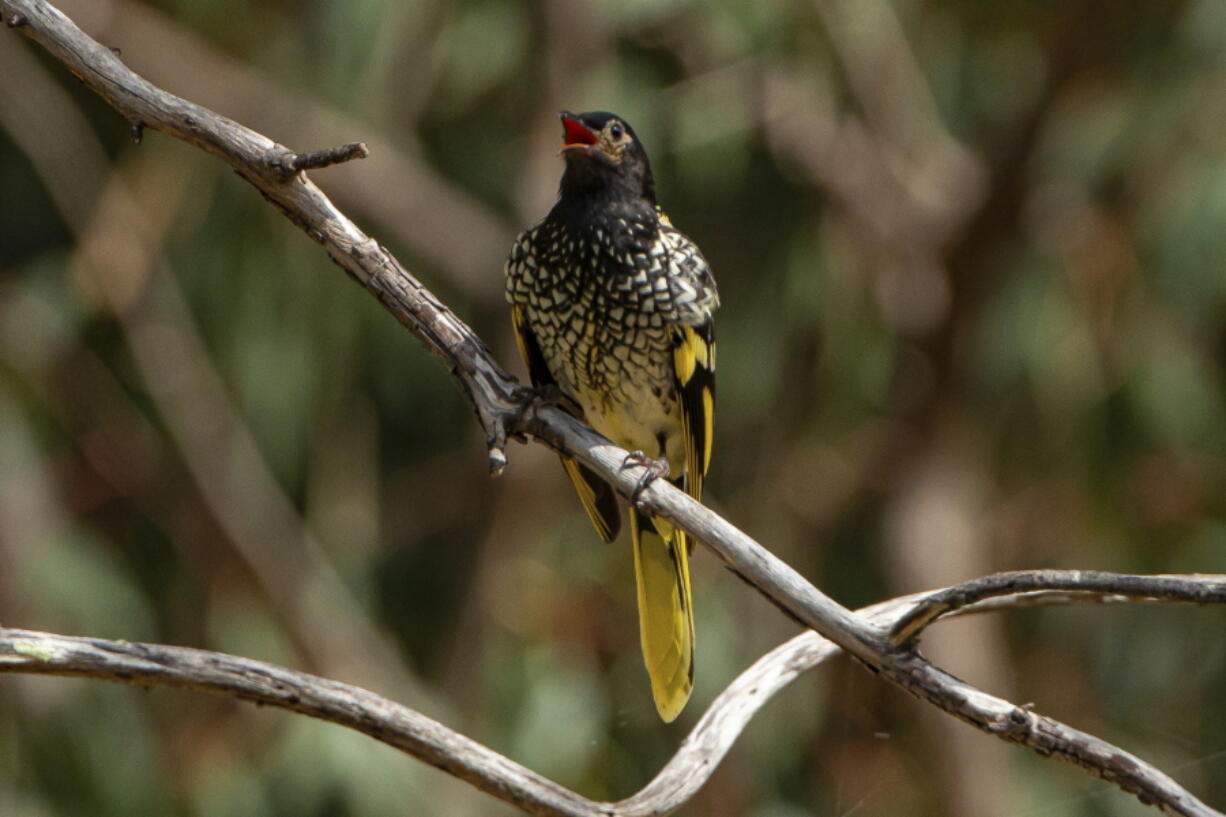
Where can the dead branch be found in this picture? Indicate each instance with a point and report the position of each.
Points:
(326, 158)
(32, 652)
(504, 408)
(1032, 586)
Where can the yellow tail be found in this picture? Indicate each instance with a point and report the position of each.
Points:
(666, 618)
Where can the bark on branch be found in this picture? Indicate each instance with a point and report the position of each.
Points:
(504, 408)
(32, 652)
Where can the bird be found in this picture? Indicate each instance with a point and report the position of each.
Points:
(612, 307)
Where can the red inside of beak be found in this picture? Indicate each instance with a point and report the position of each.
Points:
(577, 133)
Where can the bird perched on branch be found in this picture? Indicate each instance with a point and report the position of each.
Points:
(613, 306)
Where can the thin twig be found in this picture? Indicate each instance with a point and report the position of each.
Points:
(504, 408)
(316, 159)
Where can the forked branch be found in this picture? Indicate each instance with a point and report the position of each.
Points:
(506, 409)
(716, 731)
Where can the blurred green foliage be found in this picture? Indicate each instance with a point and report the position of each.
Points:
(973, 267)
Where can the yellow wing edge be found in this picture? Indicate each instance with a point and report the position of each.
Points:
(694, 363)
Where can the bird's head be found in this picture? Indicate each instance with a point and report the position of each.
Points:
(603, 156)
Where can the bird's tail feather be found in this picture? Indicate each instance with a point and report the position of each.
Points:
(666, 618)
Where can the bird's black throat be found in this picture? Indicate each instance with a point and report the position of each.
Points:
(592, 175)
(594, 191)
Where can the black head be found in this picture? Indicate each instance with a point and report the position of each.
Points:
(603, 157)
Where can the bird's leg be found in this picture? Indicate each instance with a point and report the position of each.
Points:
(550, 394)
(532, 399)
(656, 467)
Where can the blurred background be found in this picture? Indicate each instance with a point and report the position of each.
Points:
(973, 267)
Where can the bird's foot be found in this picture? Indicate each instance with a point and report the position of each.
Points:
(656, 467)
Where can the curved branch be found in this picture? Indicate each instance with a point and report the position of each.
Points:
(28, 651)
(503, 408)
(1040, 585)
(733, 708)
(32, 652)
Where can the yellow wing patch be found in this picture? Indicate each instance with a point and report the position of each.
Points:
(692, 351)
(708, 417)
(694, 364)
(519, 322)
(601, 509)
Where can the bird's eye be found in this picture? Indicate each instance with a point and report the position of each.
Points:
(616, 131)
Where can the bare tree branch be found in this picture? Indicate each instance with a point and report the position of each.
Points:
(505, 408)
(1047, 584)
(158, 665)
(28, 651)
(262, 527)
(453, 231)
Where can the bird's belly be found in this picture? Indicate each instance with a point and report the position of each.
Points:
(640, 421)
(624, 382)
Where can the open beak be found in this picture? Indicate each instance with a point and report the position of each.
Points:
(576, 135)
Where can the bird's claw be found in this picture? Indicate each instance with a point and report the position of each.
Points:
(656, 467)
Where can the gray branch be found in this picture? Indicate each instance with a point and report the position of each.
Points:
(504, 408)
(32, 652)
(1035, 586)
